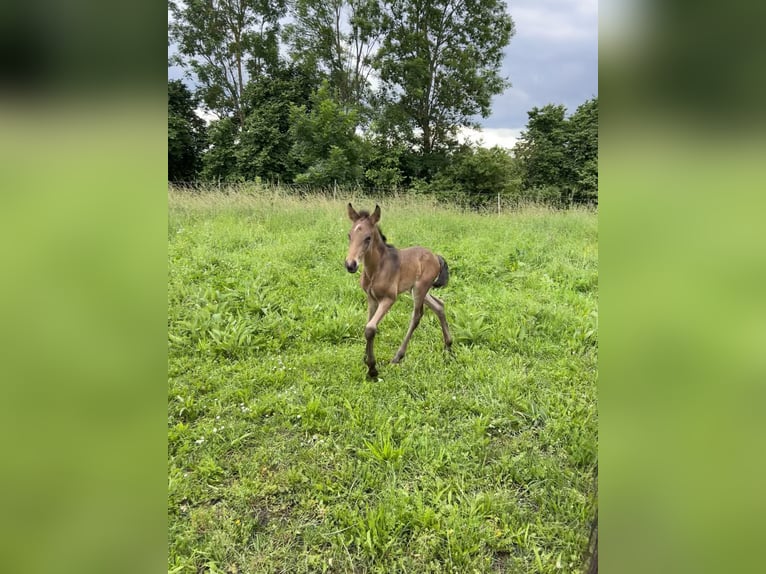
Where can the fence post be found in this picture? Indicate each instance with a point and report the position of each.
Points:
(334, 189)
(498, 204)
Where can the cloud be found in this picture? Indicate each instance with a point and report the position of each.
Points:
(491, 137)
(207, 115)
(556, 20)
(552, 59)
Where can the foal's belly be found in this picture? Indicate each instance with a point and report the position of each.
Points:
(416, 262)
(396, 276)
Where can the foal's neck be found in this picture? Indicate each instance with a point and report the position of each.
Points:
(374, 256)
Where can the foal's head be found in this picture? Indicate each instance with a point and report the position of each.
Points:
(360, 237)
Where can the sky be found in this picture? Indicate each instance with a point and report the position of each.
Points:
(552, 59)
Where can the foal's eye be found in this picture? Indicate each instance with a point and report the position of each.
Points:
(367, 239)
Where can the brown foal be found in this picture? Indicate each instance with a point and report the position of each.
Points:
(389, 271)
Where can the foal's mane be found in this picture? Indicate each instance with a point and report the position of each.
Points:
(364, 213)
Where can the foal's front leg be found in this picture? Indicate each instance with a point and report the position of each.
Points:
(369, 333)
(372, 306)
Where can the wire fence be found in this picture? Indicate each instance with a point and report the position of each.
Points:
(484, 202)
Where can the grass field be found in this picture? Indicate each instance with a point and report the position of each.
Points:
(283, 457)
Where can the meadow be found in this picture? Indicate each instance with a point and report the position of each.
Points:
(284, 457)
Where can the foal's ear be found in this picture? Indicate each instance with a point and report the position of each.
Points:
(352, 214)
(375, 217)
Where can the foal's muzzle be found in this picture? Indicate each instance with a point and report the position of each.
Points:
(352, 266)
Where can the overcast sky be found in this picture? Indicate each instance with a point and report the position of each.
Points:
(552, 59)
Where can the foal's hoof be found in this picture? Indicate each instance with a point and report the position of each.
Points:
(372, 374)
(396, 359)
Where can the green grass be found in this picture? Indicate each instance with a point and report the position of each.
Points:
(283, 457)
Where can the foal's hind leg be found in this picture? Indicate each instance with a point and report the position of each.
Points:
(418, 296)
(437, 306)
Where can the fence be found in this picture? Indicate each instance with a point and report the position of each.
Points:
(487, 203)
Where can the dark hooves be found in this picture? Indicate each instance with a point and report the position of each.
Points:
(372, 374)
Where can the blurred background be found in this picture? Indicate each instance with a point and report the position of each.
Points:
(82, 295)
(682, 266)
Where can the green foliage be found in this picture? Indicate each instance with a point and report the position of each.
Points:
(265, 143)
(474, 177)
(482, 173)
(186, 133)
(261, 149)
(559, 155)
(472, 330)
(583, 138)
(220, 161)
(325, 141)
(282, 457)
(383, 163)
(542, 148)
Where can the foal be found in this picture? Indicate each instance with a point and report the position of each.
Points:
(389, 271)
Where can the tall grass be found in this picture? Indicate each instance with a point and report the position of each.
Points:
(502, 202)
(282, 457)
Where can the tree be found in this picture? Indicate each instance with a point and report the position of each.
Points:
(186, 133)
(325, 141)
(473, 176)
(542, 149)
(265, 143)
(440, 66)
(224, 43)
(482, 173)
(220, 161)
(559, 155)
(383, 163)
(340, 37)
(583, 150)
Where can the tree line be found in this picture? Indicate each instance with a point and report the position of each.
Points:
(369, 93)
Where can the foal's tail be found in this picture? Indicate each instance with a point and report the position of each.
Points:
(443, 277)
